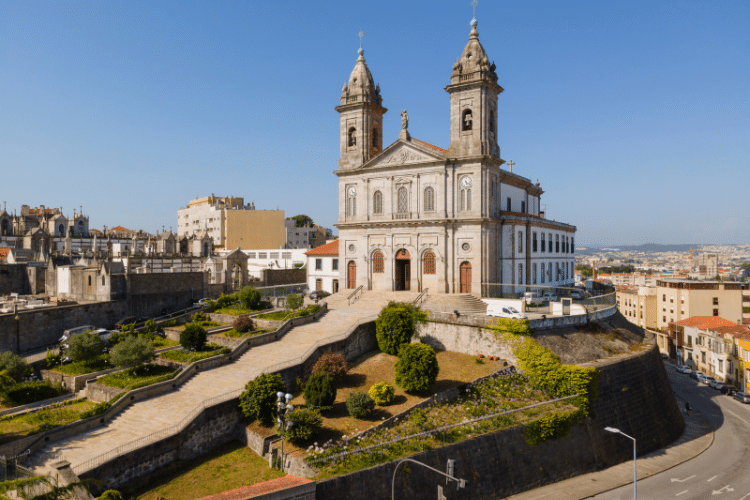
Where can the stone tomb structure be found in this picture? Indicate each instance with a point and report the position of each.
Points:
(415, 216)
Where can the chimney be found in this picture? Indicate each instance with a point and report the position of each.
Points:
(593, 270)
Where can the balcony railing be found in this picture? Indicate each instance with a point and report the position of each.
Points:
(402, 215)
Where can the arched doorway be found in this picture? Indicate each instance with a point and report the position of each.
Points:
(351, 275)
(5, 227)
(465, 269)
(61, 230)
(403, 270)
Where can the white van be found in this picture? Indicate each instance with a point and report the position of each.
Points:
(504, 311)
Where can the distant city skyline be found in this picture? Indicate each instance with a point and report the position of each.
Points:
(634, 116)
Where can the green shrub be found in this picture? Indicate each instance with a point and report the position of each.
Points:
(359, 404)
(243, 324)
(552, 426)
(5, 381)
(84, 346)
(53, 360)
(31, 392)
(149, 329)
(249, 297)
(199, 317)
(307, 422)
(132, 351)
(397, 325)
(294, 301)
(258, 402)
(15, 365)
(382, 393)
(193, 337)
(171, 322)
(224, 300)
(416, 368)
(320, 392)
(331, 363)
(110, 495)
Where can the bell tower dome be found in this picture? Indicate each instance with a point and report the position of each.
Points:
(474, 90)
(361, 113)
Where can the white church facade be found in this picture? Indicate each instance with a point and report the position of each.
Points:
(414, 216)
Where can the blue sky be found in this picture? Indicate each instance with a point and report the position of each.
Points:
(633, 115)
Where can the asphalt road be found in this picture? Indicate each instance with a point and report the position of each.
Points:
(722, 472)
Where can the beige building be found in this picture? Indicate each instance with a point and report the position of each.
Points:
(230, 223)
(680, 299)
(415, 216)
(638, 305)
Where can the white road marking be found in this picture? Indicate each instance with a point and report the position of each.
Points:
(720, 491)
(675, 480)
(681, 493)
(743, 498)
(712, 479)
(732, 413)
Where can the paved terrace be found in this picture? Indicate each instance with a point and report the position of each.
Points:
(151, 415)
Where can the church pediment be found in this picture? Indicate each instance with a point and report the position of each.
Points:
(405, 153)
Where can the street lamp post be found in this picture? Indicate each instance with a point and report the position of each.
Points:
(18, 335)
(614, 430)
(283, 408)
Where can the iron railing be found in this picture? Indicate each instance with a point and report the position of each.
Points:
(282, 290)
(421, 298)
(355, 295)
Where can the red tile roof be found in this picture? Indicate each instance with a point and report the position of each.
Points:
(737, 331)
(445, 151)
(278, 484)
(4, 252)
(704, 322)
(331, 248)
(120, 228)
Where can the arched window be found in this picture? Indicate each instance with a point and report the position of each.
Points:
(403, 200)
(378, 263)
(549, 272)
(429, 199)
(375, 138)
(351, 206)
(352, 137)
(466, 199)
(102, 280)
(377, 202)
(541, 274)
(429, 262)
(89, 280)
(466, 120)
(61, 230)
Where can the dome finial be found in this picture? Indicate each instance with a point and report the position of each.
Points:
(474, 21)
(361, 33)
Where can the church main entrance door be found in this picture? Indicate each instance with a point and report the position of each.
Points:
(403, 270)
(465, 277)
(351, 275)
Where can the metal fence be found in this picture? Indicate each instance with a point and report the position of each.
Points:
(282, 290)
(11, 469)
(591, 299)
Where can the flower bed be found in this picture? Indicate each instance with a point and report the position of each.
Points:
(15, 427)
(188, 356)
(504, 391)
(133, 377)
(284, 315)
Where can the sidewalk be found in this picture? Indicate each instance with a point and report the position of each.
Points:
(698, 436)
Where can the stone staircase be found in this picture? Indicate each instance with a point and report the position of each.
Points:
(148, 416)
(464, 303)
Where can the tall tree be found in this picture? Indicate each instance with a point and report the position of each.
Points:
(303, 220)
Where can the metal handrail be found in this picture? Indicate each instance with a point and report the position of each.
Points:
(421, 298)
(357, 293)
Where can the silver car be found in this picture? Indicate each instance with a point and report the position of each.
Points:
(742, 397)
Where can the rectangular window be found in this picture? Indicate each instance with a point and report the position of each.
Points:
(703, 357)
(509, 210)
(549, 237)
(716, 301)
(557, 243)
(335, 264)
(542, 270)
(533, 241)
(523, 207)
(262, 255)
(664, 319)
(520, 274)
(520, 241)
(716, 312)
(543, 242)
(690, 341)
(572, 245)
(318, 264)
(533, 273)
(664, 297)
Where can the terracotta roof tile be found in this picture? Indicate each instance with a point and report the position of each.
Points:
(280, 483)
(331, 248)
(704, 322)
(444, 151)
(738, 331)
(120, 228)
(4, 252)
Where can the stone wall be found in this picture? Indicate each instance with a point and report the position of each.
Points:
(14, 279)
(467, 339)
(634, 396)
(154, 294)
(276, 277)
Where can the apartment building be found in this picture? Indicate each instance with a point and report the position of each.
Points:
(638, 305)
(303, 237)
(678, 299)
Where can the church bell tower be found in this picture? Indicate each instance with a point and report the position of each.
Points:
(361, 113)
(474, 90)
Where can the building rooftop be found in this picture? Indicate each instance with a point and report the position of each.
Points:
(444, 151)
(704, 322)
(331, 248)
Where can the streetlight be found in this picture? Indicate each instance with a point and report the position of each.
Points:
(18, 335)
(283, 408)
(614, 430)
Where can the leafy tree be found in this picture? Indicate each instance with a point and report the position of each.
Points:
(417, 367)
(397, 325)
(359, 404)
(15, 365)
(193, 337)
(294, 301)
(5, 381)
(585, 270)
(303, 221)
(85, 346)
(307, 422)
(249, 297)
(320, 392)
(258, 402)
(243, 324)
(131, 352)
(149, 329)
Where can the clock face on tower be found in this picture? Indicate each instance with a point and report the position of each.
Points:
(352, 191)
(466, 182)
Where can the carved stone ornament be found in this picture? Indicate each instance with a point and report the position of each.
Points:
(404, 156)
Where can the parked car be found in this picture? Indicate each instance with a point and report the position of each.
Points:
(684, 369)
(696, 374)
(742, 397)
(501, 311)
(201, 302)
(532, 298)
(706, 379)
(714, 384)
(725, 389)
(548, 297)
(319, 294)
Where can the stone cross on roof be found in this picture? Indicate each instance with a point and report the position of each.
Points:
(361, 34)
(510, 163)
(474, 4)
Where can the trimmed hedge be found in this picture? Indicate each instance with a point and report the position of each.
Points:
(258, 402)
(307, 422)
(359, 404)
(417, 367)
(320, 391)
(382, 393)
(332, 363)
(31, 392)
